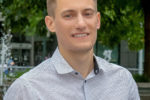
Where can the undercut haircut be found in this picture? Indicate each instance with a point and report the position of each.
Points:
(51, 6)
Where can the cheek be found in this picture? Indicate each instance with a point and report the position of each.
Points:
(62, 27)
(93, 28)
(93, 23)
(62, 33)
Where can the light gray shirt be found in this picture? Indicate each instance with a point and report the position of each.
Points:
(55, 79)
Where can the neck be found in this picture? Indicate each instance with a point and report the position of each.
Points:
(82, 62)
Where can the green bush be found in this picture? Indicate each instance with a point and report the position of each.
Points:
(18, 73)
(141, 78)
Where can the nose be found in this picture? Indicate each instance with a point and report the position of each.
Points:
(81, 23)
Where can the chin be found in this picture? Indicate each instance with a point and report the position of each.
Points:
(82, 49)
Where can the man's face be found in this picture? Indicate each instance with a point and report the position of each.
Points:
(76, 23)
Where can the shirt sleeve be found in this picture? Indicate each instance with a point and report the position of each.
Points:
(133, 89)
(20, 90)
(14, 92)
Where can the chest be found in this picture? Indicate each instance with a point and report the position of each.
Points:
(71, 89)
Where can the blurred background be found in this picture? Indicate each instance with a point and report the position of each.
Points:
(124, 38)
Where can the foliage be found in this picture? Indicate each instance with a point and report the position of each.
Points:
(24, 16)
(17, 74)
(120, 20)
(141, 78)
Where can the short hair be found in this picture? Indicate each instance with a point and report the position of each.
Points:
(51, 6)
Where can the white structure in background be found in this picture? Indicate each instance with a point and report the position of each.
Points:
(140, 61)
(141, 57)
(5, 53)
(107, 55)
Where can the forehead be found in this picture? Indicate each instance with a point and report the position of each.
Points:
(74, 4)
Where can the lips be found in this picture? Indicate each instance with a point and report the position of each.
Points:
(80, 35)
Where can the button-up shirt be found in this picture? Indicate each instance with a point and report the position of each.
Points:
(55, 79)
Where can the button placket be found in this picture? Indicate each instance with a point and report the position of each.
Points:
(76, 73)
(85, 88)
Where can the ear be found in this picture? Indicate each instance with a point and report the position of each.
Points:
(49, 21)
(98, 20)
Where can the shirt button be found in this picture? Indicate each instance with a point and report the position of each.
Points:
(85, 81)
(96, 71)
(76, 73)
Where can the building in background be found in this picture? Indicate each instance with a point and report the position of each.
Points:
(121, 55)
(32, 50)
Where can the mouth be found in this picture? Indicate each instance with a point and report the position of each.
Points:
(80, 35)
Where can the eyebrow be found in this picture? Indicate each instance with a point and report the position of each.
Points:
(66, 11)
(90, 9)
(71, 10)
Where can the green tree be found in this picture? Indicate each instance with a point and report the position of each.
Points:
(126, 20)
(24, 16)
(120, 20)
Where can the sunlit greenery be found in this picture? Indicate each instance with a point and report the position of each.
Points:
(24, 16)
(120, 20)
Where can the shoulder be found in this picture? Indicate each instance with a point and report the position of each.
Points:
(46, 67)
(113, 69)
(120, 77)
(24, 85)
(116, 72)
(16, 90)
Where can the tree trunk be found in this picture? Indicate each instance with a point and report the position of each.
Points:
(147, 45)
(146, 9)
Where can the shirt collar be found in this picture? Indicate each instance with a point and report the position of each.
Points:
(96, 68)
(101, 64)
(62, 66)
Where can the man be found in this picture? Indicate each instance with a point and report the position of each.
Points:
(74, 72)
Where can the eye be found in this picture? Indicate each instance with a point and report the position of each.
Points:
(88, 14)
(67, 16)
